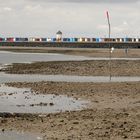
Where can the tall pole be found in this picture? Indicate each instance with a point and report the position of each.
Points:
(109, 36)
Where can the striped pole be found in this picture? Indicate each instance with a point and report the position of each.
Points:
(109, 35)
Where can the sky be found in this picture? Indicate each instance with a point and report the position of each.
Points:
(75, 18)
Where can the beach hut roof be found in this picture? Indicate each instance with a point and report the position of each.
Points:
(59, 32)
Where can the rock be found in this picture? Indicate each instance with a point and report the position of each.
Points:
(125, 137)
(3, 121)
(91, 133)
(75, 122)
(5, 115)
(61, 120)
(51, 104)
(137, 137)
(39, 138)
(10, 94)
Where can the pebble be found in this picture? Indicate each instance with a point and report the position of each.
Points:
(39, 138)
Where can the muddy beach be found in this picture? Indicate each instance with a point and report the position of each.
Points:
(85, 68)
(113, 112)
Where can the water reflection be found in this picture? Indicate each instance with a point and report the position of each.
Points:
(21, 100)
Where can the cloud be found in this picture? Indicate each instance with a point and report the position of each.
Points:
(89, 1)
(7, 9)
(75, 18)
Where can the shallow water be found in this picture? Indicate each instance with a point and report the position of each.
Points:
(22, 100)
(4, 78)
(11, 57)
(13, 135)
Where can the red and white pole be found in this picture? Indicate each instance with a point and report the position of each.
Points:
(109, 35)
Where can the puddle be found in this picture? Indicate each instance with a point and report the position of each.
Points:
(4, 78)
(13, 135)
(18, 100)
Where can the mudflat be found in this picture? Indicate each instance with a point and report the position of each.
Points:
(86, 68)
(113, 112)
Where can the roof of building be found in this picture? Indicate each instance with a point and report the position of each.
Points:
(59, 32)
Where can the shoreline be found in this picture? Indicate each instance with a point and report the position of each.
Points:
(90, 52)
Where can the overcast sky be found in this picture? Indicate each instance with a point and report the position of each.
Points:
(75, 18)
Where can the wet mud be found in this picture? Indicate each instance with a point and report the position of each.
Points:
(86, 68)
(113, 113)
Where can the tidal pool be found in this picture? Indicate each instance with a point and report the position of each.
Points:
(4, 78)
(13, 135)
(21, 100)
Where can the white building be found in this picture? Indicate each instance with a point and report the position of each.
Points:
(59, 36)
